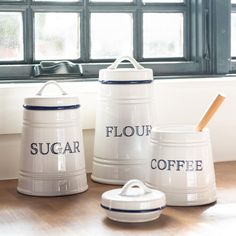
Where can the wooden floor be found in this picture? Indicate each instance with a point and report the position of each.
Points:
(81, 214)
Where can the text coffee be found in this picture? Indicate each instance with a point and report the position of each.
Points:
(177, 165)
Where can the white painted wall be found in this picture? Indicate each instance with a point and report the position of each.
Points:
(176, 101)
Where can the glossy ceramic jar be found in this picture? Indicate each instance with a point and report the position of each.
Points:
(123, 123)
(52, 152)
(181, 165)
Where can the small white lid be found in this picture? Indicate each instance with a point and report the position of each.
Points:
(138, 74)
(63, 100)
(138, 199)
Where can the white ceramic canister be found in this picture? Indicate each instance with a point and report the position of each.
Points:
(181, 165)
(133, 205)
(52, 152)
(123, 123)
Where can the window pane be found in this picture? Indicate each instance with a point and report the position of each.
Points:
(57, 36)
(162, 1)
(11, 36)
(233, 1)
(165, 37)
(111, 35)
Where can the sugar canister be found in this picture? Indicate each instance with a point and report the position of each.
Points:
(52, 152)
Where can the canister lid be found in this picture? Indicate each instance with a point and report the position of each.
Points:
(62, 102)
(136, 75)
(133, 200)
(179, 134)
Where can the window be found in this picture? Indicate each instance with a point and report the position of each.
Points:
(173, 37)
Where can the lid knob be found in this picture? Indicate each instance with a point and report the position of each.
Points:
(39, 93)
(116, 63)
(132, 183)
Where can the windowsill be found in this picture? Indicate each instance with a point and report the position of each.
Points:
(5, 83)
(82, 214)
(191, 78)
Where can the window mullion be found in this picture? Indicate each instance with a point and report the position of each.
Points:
(137, 31)
(28, 35)
(202, 35)
(189, 49)
(85, 32)
(221, 11)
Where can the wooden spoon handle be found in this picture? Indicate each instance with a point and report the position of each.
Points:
(210, 112)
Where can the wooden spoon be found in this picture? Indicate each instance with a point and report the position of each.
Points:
(210, 112)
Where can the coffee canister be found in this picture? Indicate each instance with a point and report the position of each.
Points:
(52, 152)
(123, 123)
(181, 165)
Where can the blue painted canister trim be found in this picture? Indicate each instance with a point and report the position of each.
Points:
(132, 211)
(50, 108)
(126, 81)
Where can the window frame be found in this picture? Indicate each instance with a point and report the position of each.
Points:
(203, 38)
(233, 59)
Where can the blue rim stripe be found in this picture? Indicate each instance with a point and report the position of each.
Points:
(126, 82)
(50, 108)
(132, 211)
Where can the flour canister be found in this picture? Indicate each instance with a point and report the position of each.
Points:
(181, 165)
(52, 153)
(123, 123)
